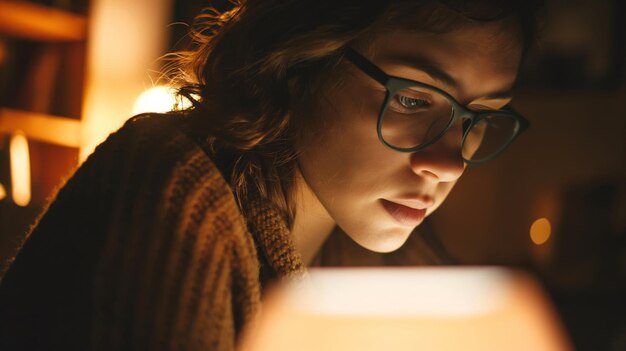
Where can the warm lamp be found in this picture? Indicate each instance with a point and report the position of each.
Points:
(409, 309)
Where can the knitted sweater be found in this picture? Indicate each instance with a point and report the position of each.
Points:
(144, 248)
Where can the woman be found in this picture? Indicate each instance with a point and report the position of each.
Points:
(307, 115)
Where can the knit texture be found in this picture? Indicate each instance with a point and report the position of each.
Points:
(144, 248)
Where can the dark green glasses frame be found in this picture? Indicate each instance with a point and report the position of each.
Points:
(394, 84)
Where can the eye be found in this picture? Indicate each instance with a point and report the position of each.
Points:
(410, 103)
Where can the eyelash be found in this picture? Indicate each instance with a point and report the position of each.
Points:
(402, 99)
(407, 105)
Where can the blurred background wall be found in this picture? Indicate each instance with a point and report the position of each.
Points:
(72, 71)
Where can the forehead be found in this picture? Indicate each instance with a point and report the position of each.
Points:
(480, 58)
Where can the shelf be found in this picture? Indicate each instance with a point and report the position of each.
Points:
(26, 20)
(57, 130)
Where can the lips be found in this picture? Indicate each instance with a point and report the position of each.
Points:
(410, 216)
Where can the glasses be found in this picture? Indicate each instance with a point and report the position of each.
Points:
(415, 115)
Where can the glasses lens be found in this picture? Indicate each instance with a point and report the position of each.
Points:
(489, 136)
(415, 116)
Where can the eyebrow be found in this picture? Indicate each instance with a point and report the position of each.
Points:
(437, 73)
(427, 66)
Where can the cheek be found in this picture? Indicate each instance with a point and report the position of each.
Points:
(346, 151)
(345, 162)
(335, 160)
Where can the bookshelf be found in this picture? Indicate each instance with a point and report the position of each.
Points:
(42, 69)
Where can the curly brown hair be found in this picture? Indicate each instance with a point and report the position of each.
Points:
(255, 72)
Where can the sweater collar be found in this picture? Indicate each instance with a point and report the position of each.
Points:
(269, 230)
(277, 251)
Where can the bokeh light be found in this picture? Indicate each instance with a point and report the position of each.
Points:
(156, 99)
(3, 192)
(20, 169)
(540, 231)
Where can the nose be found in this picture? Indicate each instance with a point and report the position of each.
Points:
(441, 161)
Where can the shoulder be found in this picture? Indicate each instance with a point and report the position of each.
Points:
(155, 149)
(164, 180)
(148, 183)
(156, 159)
(147, 131)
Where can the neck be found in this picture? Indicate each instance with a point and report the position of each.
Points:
(312, 223)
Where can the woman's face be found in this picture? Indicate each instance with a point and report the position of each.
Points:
(378, 195)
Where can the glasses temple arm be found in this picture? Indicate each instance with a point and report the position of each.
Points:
(366, 66)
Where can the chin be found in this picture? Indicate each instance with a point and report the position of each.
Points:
(385, 242)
